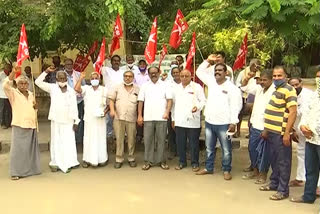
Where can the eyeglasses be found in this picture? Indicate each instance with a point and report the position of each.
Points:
(128, 76)
(185, 76)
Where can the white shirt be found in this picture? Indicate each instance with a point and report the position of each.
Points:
(111, 77)
(94, 101)
(185, 99)
(140, 78)
(302, 99)
(134, 69)
(260, 103)
(224, 101)
(172, 85)
(154, 96)
(311, 118)
(63, 106)
(3, 76)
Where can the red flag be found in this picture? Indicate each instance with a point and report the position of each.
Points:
(241, 57)
(93, 48)
(179, 27)
(192, 52)
(151, 48)
(163, 53)
(117, 33)
(23, 50)
(82, 62)
(98, 64)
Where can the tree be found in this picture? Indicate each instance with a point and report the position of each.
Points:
(53, 25)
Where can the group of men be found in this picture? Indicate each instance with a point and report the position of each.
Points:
(133, 101)
(283, 112)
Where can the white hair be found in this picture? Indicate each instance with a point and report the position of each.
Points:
(21, 78)
(61, 71)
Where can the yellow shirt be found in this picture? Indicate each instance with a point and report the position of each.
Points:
(277, 110)
(23, 113)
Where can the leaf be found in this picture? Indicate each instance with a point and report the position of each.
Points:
(252, 7)
(211, 3)
(315, 9)
(279, 17)
(275, 5)
(314, 20)
(260, 13)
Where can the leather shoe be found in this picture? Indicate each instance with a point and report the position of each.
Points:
(203, 172)
(227, 176)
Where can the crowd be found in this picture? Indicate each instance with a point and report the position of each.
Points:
(136, 102)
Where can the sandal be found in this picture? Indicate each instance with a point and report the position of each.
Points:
(278, 196)
(260, 181)
(146, 166)
(164, 166)
(85, 164)
(296, 183)
(15, 178)
(249, 176)
(266, 188)
(179, 167)
(54, 168)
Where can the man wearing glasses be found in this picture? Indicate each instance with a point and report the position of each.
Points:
(123, 109)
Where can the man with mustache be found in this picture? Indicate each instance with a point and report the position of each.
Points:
(224, 103)
(279, 118)
(156, 98)
(310, 127)
(304, 95)
(123, 108)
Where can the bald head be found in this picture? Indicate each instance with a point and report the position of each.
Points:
(185, 76)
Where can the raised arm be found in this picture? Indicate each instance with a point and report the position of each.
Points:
(77, 87)
(40, 80)
(8, 83)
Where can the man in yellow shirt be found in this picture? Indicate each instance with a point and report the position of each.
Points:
(279, 117)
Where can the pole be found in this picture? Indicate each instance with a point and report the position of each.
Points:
(35, 101)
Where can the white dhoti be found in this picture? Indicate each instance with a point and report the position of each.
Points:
(63, 149)
(94, 141)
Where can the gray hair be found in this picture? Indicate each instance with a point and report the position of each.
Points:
(21, 78)
(128, 71)
(61, 72)
(254, 61)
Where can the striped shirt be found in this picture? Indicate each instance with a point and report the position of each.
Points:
(277, 110)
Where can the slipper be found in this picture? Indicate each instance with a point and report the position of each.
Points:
(278, 196)
(146, 166)
(164, 166)
(266, 188)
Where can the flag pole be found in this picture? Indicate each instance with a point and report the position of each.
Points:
(194, 67)
(35, 101)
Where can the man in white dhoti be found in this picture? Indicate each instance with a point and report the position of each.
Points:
(95, 109)
(63, 114)
(24, 151)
